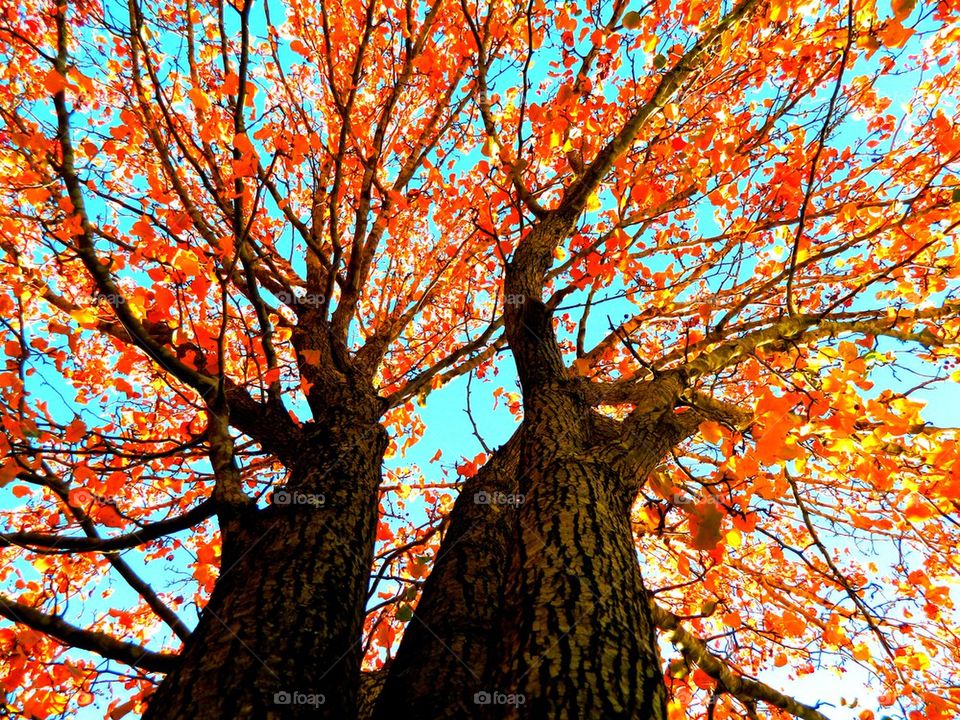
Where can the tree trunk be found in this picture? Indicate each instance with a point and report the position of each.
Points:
(577, 634)
(280, 637)
(446, 646)
(447, 649)
(577, 637)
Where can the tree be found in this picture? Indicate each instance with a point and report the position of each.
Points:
(244, 243)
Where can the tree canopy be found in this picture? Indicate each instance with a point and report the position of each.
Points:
(230, 230)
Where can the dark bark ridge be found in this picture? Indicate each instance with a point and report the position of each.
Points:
(447, 648)
(576, 635)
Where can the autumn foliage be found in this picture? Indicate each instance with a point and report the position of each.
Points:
(211, 214)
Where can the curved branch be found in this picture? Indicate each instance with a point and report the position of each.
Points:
(812, 175)
(59, 543)
(696, 651)
(576, 196)
(528, 323)
(94, 641)
(66, 169)
(813, 327)
(872, 622)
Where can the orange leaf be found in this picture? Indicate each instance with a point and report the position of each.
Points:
(75, 431)
(894, 34)
(206, 554)
(778, 10)
(732, 620)
(311, 357)
(106, 515)
(702, 680)
(917, 508)
(712, 432)
(200, 99)
(36, 195)
(54, 82)
(187, 262)
(902, 8)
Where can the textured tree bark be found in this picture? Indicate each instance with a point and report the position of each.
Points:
(443, 659)
(280, 637)
(577, 635)
(444, 652)
(371, 687)
(577, 639)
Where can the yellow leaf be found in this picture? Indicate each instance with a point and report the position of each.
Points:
(87, 317)
(778, 10)
(44, 563)
(593, 203)
(675, 711)
(734, 538)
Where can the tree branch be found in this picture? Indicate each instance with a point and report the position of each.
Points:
(48, 542)
(696, 651)
(577, 194)
(92, 640)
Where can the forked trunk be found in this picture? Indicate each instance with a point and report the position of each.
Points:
(442, 666)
